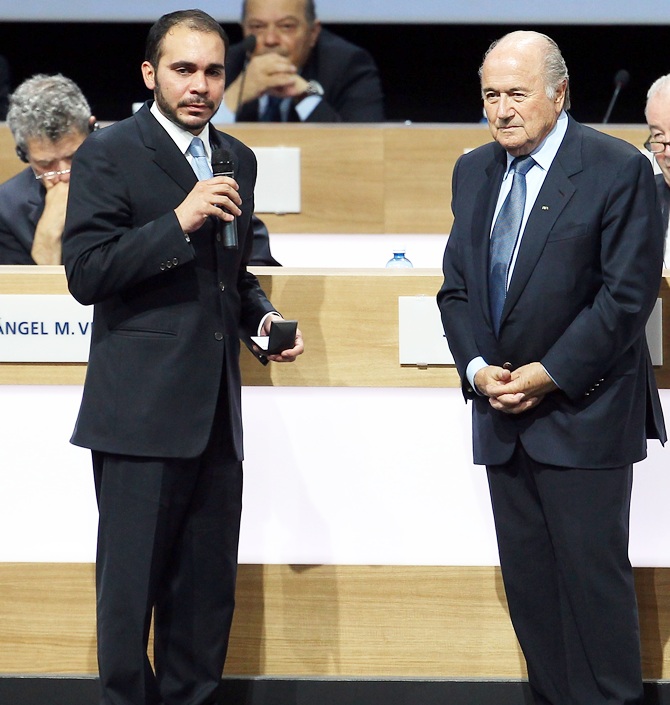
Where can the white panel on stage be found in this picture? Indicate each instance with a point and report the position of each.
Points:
(365, 476)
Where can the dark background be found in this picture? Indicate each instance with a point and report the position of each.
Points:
(429, 72)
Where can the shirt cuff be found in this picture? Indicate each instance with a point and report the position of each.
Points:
(269, 313)
(471, 370)
(306, 106)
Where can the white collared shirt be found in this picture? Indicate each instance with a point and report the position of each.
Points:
(181, 137)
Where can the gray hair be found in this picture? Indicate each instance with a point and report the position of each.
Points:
(47, 107)
(554, 71)
(660, 85)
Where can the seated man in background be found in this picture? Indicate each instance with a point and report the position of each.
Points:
(657, 113)
(297, 72)
(49, 119)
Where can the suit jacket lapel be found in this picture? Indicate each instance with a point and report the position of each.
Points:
(482, 222)
(166, 154)
(556, 192)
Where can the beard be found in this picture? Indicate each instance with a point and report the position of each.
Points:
(193, 122)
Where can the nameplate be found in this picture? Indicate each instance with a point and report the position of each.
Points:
(278, 181)
(44, 328)
(421, 338)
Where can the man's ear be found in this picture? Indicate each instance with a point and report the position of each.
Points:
(149, 75)
(314, 33)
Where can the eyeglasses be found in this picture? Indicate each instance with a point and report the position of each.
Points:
(51, 174)
(655, 147)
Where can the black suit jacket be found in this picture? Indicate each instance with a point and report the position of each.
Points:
(347, 73)
(663, 199)
(168, 313)
(585, 280)
(21, 206)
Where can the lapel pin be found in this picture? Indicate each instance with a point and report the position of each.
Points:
(545, 208)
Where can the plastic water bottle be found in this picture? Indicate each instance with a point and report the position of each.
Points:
(399, 261)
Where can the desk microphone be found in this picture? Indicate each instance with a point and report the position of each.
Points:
(223, 165)
(620, 81)
(249, 45)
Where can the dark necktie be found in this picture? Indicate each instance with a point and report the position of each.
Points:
(272, 112)
(504, 237)
(200, 163)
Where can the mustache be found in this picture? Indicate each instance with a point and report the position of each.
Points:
(197, 101)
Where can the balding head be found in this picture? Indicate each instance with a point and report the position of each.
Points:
(524, 85)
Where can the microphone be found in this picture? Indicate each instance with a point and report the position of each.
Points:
(223, 165)
(249, 45)
(620, 81)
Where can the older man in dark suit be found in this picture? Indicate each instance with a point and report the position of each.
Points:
(550, 273)
(49, 118)
(298, 71)
(657, 112)
(161, 404)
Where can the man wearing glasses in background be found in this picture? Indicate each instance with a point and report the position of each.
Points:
(49, 119)
(657, 113)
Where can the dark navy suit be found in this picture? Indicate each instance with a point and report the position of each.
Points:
(347, 73)
(161, 406)
(21, 206)
(584, 283)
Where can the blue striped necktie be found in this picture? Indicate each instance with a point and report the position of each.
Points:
(504, 237)
(201, 165)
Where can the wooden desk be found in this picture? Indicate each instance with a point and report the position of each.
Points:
(383, 178)
(347, 316)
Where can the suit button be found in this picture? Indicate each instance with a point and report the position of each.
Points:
(218, 335)
(507, 366)
(175, 260)
(222, 286)
(218, 237)
(162, 266)
(168, 264)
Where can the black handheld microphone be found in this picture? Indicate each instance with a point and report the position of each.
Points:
(620, 81)
(249, 45)
(223, 165)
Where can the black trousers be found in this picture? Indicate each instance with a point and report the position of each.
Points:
(563, 543)
(167, 543)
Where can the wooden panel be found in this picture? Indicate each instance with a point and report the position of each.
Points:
(419, 161)
(349, 318)
(10, 164)
(342, 176)
(372, 621)
(363, 179)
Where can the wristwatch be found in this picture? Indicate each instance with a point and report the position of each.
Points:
(313, 88)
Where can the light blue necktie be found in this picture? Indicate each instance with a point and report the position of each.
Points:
(201, 165)
(504, 237)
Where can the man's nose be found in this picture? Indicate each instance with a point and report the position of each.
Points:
(504, 106)
(199, 82)
(271, 36)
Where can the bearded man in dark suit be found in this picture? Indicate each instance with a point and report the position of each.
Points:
(161, 405)
(549, 279)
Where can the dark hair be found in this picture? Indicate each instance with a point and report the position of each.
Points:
(310, 11)
(193, 19)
